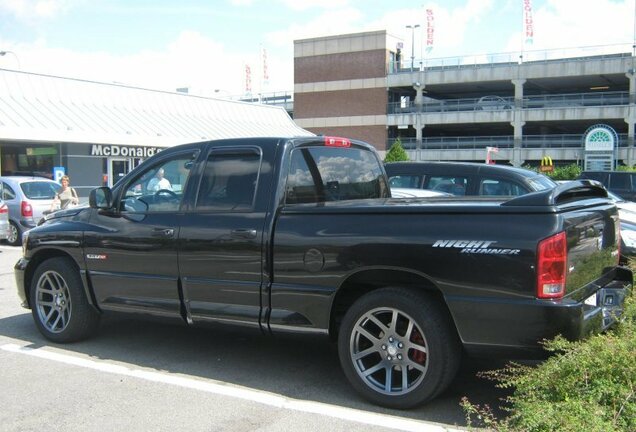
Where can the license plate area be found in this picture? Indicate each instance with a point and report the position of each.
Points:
(591, 300)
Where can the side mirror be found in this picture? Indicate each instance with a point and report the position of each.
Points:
(101, 198)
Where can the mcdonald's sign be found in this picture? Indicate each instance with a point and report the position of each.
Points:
(546, 164)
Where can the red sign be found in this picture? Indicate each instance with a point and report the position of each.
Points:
(527, 21)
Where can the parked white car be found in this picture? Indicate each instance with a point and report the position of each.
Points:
(627, 216)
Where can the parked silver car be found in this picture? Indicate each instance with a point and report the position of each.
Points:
(4, 220)
(27, 199)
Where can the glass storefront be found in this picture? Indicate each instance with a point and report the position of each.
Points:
(21, 159)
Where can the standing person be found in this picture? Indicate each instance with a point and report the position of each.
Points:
(65, 197)
(159, 182)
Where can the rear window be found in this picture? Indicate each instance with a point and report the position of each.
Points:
(406, 181)
(320, 174)
(540, 183)
(499, 187)
(39, 189)
(620, 181)
(454, 185)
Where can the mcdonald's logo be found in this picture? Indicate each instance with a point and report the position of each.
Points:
(546, 164)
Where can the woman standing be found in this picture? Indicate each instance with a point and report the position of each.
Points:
(66, 197)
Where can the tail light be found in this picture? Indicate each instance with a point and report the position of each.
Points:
(552, 258)
(337, 142)
(4, 209)
(25, 209)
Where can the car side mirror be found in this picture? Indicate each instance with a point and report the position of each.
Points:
(101, 198)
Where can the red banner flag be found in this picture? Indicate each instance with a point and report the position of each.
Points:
(430, 30)
(527, 22)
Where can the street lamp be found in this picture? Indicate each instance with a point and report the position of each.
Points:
(412, 27)
(4, 53)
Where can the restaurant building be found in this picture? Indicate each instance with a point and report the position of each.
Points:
(97, 132)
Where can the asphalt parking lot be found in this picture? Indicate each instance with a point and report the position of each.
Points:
(140, 374)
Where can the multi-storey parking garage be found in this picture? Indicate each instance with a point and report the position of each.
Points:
(528, 107)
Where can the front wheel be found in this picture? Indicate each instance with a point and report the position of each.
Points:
(58, 302)
(398, 348)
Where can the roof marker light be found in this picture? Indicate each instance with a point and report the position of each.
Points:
(337, 142)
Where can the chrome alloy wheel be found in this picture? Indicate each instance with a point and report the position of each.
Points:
(389, 351)
(14, 234)
(53, 302)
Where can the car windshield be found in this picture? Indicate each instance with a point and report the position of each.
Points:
(541, 182)
(39, 189)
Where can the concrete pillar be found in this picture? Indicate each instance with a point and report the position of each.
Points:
(419, 129)
(631, 127)
(518, 83)
(631, 117)
(631, 75)
(419, 85)
(518, 123)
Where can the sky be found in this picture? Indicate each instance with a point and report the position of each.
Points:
(206, 45)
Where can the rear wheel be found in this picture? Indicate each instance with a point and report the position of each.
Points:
(398, 348)
(15, 236)
(58, 302)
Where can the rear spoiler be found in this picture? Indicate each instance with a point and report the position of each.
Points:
(564, 192)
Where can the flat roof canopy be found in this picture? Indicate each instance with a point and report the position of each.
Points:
(35, 107)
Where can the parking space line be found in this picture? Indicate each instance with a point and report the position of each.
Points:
(225, 389)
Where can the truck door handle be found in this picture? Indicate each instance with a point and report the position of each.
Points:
(244, 233)
(163, 232)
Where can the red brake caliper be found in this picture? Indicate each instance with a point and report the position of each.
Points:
(417, 355)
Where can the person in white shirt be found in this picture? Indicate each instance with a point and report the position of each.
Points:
(158, 182)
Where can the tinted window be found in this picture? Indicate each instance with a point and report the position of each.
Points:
(39, 189)
(541, 182)
(620, 181)
(158, 188)
(406, 181)
(455, 185)
(229, 182)
(319, 174)
(498, 187)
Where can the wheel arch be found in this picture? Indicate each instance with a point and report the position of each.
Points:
(38, 258)
(368, 280)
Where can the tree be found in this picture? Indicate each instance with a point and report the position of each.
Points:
(396, 153)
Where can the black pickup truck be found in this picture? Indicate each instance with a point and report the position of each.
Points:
(301, 235)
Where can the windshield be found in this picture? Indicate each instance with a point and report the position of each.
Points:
(39, 189)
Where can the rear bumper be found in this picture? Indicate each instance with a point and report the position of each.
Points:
(515, 328)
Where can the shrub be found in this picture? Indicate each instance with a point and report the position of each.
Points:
(396, 153)
(565, 172)
(626, 168)
(586, 385)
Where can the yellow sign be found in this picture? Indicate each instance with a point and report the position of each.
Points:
(546, 164)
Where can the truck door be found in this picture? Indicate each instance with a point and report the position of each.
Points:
(132, 257)
(221, 238)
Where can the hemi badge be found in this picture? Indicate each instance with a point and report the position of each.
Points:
(96, 256)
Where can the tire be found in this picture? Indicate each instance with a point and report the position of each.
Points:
(398, 348)
(58, 302)
(15, 236)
